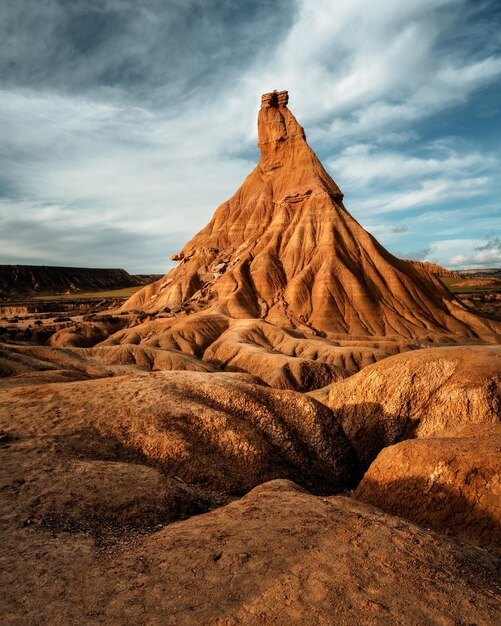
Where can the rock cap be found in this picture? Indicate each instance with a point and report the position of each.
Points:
(275, 99)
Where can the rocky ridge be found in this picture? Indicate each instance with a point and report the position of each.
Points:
(436, 270)
(40, 279)
(277, 556)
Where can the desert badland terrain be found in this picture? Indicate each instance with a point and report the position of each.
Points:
(292, 426)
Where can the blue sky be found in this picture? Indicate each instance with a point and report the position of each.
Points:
(125, 123)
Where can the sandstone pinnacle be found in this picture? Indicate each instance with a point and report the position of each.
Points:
(285, 249)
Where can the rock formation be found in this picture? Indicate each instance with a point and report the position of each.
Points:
(219, 431)
(285, 249)
(417, 394)
(284, 284)
(485, 303)
(25, 365)
(277, 556)
(283, 358)
(479, 282)
(436, 270)
(451, 483)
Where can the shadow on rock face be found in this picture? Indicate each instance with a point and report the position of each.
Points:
(96, 488)
(443, 508)
(450, 483)
(417, 395)
(140, 450)
(370, 429)
(276, 437)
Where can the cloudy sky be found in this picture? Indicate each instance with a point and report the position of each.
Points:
(125, 123)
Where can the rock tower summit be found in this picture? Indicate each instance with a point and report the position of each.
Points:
(276, 124)
(275, 99)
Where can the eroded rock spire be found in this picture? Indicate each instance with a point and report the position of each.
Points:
(285, 249)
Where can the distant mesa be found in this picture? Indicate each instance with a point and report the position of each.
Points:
(284, 249)
(34, 279)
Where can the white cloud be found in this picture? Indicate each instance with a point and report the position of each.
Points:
(362, 164)
(484, 255)
(380, 181)
(80, 165)
(427, 193)
(461, 253)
